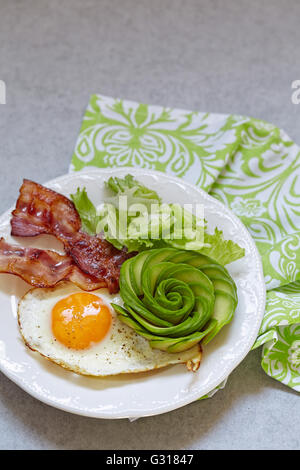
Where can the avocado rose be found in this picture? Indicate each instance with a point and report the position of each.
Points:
(175, 298)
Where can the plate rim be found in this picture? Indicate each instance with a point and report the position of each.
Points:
(116, 414)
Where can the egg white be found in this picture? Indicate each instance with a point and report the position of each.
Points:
(121, 351)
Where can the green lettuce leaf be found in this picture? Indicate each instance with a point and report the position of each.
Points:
(165, 224)
(135, 191)
(133, 225)
(86, 210)
(221, 250)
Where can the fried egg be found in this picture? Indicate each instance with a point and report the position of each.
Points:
(81, 332)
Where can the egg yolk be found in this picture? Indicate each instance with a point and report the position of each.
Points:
(80, 320)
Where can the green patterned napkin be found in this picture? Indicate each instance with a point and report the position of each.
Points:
(250, 165)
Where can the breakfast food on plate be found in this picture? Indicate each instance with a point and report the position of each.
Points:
(175, 298)
(81, 332)
(44, 268)
(40, 210)
(175, 293)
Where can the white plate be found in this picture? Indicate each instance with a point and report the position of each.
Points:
(143, 394)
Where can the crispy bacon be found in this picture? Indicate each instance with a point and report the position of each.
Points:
(95, 256)
(40, 210)
(43, 268)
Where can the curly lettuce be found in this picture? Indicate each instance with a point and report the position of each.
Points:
(134, 216)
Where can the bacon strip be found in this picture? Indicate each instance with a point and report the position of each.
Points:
(43, 268)
(40, 210)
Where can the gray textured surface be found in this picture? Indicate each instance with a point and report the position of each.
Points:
(229, 57)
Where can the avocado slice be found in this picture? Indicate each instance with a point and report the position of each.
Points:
(189, 257)
(181, 344)
(224, 308)
(135, 270)
(129, 297)
(173, 306)
(175, 298)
